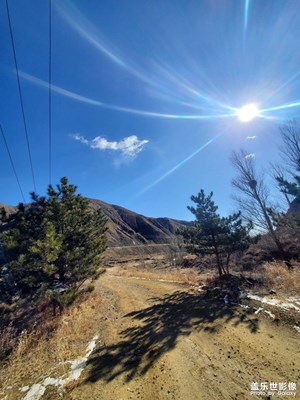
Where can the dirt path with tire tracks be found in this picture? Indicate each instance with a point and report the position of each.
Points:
(162, 340)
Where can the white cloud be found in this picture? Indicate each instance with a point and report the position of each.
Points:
(80, 138)
(250, 137)
(129, 146)
(250, 155)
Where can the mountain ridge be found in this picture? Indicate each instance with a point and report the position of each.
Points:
(130, 233)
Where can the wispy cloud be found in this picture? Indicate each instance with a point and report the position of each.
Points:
(128, 147)
(250, 155)
(250, 137)
(80, 138)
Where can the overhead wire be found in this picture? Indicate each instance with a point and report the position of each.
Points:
(12, 163)
(20, 94)
(50, 92)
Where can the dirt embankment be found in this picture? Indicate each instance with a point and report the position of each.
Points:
(163, 340)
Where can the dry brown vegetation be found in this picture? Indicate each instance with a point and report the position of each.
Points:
(275, 275)
(188, 276)
(270, 275)
(42, 352)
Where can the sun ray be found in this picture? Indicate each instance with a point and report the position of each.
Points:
(246, 14)
(87, 100)
(177, 166)
(296, 75)
(213, 114)
(183, 83)
(77, 21)
(282, 107)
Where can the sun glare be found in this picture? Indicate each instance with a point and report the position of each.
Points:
(247, 112)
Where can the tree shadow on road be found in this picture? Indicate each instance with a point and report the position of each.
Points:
(157, 330)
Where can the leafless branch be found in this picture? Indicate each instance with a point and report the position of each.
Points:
(290, 150)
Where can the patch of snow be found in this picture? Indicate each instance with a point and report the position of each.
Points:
(77, 367)
(294, 300)
(37, 390)
(244, 306)
(91, 346)
(53, 381)
(265, 311)
(274, 302)
(258, 310)
(297, 328)
(270, 314)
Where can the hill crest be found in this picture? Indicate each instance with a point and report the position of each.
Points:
(130, 233)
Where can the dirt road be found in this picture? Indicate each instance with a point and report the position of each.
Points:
(163, 340)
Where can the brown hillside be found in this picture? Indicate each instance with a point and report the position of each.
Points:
(133, 234)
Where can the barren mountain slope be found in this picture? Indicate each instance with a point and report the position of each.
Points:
(127, 228)
(131, 234)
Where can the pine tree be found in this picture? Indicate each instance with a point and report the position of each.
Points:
(211, 234)
(54, 245)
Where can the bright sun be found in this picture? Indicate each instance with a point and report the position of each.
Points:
(247, 112)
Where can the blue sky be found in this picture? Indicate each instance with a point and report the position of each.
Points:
(145, 96)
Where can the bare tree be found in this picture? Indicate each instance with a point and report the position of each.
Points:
(254, 200)
(290, 150)
(289, 182)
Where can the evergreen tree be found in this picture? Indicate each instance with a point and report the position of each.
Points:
(54, 245)
(211, 234)
(291, 219)
(291, 187)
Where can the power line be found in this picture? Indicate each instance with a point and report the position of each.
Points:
(50, 91)
(12, 163)
(20, 95)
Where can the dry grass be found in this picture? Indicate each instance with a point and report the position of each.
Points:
(188, 276)
(275, 275)
(42, 352)
(8, 340)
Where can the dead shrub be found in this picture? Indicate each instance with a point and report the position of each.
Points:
(275, 275)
